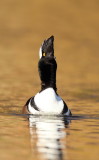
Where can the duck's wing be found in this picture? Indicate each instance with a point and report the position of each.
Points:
(25, 107)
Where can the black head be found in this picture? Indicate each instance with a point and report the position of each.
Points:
(47, 48)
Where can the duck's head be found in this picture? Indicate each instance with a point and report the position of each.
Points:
(47, 48)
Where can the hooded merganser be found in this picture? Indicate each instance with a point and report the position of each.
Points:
(47, 101)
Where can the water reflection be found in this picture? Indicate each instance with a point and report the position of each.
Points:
(49, 132)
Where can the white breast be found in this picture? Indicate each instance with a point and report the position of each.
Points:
(48, 102)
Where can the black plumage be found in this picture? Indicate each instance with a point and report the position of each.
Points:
(47, 67)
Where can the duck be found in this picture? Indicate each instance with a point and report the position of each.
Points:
(47, 101)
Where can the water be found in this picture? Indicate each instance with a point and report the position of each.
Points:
(49, 137)
(23, 26)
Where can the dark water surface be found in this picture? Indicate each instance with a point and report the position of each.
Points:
(23, 26)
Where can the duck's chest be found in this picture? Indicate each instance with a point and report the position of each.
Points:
(49, 101)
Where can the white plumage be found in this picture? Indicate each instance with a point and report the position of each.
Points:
(40, 52)
(48, 102)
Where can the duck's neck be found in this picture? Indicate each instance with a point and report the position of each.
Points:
(51, 85)
(47, 70)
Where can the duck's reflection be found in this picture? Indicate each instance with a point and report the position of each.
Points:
(49, 133)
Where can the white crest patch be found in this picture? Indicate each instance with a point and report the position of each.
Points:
(40, 51)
